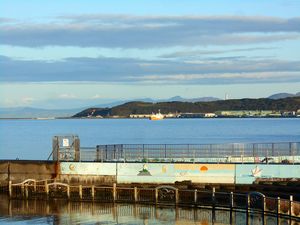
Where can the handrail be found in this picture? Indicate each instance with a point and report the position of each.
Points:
(252, 201)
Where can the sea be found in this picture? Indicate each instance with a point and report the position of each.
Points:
(32, 140)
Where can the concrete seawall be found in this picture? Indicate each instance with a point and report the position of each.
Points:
(151, 173)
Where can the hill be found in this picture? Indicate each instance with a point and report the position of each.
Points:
(283, 95)
(137, 107)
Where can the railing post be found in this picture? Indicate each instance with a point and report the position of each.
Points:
(248, 204)
(80, 191)
(26, 191)
(264, 205)
(68, 191)
(114, 192)
(278, 205)
(213, 196)
(93, 192)
(291, 206)
(135, 194)
(143, 151)
(9, 189)
(22, 189)
(46, 188)
(231, 200)
(34, 185)
(156, 195)
(195, 196)
(97, 153)
(124, 150)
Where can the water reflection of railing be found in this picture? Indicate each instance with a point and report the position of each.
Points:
(68, 212)
(162, 195)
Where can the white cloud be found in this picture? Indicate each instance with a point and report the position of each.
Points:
(149, 31)
(67, 96)
(97, 96)
(225, 77)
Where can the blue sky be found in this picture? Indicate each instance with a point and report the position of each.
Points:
(57, 54)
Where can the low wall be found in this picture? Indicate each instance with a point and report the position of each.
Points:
(154, 173)
(249, 173)
(18, 171)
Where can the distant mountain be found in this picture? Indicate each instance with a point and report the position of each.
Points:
(172, 99)
(137, 107)
(180, 99)
(28, 112)
(283, 95)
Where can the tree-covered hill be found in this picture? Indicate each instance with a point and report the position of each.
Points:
(124, 110)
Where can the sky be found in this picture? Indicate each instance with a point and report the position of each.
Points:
(69, 54)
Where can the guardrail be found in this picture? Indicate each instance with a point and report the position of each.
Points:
(285, 152)
(169, 195)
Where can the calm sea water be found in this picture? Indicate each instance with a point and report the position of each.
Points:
(32, 139)
(62, 212)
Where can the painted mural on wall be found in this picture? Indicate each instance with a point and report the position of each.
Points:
(170, 173)
(79, 168)
(247, 174)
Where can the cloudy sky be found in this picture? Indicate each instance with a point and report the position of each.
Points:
(64, 54)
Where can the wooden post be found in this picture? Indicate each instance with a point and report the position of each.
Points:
(156, 195)
(114, 191)
(176, 196)
(10, 188)
(93, 192)
(26, 191)
(278, 206)
(195, 196)
(80, 191)
(291, 206)
(135, 194)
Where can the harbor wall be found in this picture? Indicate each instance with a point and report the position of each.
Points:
(154, 173)
(18, 171)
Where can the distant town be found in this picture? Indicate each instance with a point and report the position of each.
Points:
(225, 114)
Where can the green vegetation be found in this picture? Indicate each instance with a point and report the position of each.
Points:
(124, 110)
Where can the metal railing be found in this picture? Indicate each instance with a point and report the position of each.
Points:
(285, 152)
(248, 202)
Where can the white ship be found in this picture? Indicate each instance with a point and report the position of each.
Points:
(157, 116)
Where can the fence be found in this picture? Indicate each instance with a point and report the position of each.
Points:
(251, 202)
(285, 152)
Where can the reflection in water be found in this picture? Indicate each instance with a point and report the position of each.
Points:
(64, 212)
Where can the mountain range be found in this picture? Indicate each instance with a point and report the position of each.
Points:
(30, 112)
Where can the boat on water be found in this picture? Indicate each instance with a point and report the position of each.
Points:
(157, 116)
